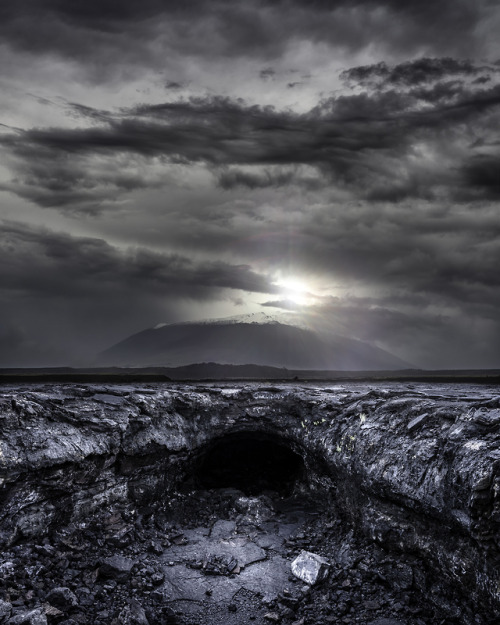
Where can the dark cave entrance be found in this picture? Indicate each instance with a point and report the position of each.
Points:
(250, 462)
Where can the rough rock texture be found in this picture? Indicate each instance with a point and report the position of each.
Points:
(310, 568)
(413, 468)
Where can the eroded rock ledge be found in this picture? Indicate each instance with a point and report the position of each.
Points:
(413, 468)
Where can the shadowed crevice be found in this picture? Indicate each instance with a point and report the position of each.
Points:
(250, 462)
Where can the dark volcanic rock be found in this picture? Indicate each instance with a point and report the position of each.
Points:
(133, 614)
(62, 598)
(34, 617)
(409, 480)
(5, 610)
(116, 567)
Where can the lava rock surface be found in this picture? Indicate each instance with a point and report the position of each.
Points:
(105, 516)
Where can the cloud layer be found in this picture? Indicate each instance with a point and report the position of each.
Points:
(97, 32)
(171, 160)
(421, 129)
(47, 271)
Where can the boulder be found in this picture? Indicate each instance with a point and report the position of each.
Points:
(62, 598)
(310, 567)
(116, 567)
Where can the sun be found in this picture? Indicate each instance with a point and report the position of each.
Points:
(296, 291)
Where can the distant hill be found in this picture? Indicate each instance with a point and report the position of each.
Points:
(243, 341)
(215, 372)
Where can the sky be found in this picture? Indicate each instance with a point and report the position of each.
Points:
(165, 161)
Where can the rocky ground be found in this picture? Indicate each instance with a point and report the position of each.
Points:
(208, 557)
(113, 508)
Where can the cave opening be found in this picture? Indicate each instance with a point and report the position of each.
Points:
(249, 462)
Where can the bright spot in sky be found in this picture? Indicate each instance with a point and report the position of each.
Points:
(296, 291)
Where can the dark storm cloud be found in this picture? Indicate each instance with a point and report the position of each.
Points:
(416, 72)
(481, 177)
(267, 73)
(440, 255)
(172, 84)
(81, 184)
(269, 177)
(103, 33)
(65, 298)
(74, 267)
(442, 25)
(284, 304)
(237, 178)
(356, 141)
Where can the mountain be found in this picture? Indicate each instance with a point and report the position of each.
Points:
(250, 339)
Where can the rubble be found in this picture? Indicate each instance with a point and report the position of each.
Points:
(5, 609)
(106, 518)
(34, 617)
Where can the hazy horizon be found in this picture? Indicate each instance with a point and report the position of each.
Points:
(165, 162)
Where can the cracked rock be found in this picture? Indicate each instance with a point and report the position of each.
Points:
(310, 567)
(104, 492)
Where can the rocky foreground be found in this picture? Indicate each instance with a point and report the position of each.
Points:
(159, 503)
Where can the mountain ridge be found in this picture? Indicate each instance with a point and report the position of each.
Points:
(244, 340)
